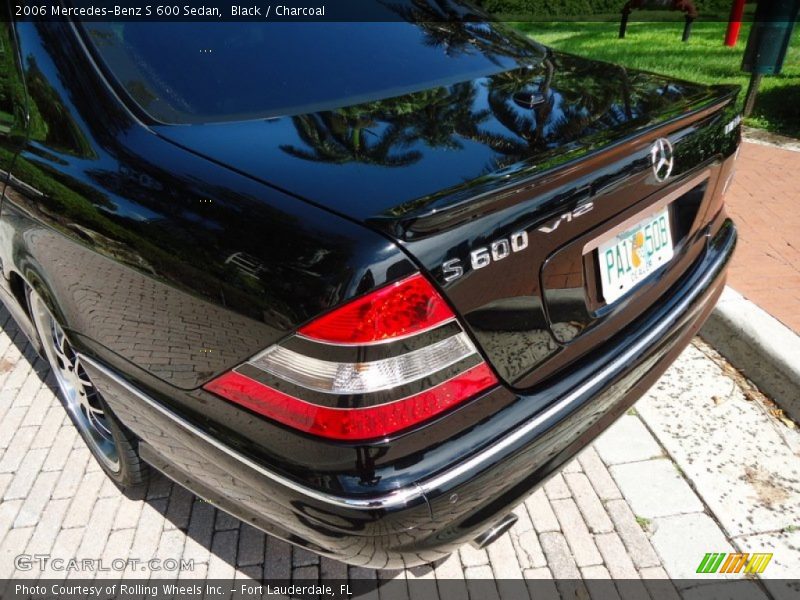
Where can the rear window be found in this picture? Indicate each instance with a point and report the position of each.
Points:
(211, 72)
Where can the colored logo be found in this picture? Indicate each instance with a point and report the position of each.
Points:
(721, 562)
(638, 244)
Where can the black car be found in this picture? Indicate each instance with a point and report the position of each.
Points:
(362, 285)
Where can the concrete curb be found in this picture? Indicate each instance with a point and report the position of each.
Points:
(765, 138)
(760, 346)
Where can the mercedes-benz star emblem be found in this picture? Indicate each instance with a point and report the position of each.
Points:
(662, 159)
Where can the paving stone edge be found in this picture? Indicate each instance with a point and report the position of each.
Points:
(760, 346)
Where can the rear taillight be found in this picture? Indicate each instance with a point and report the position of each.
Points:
(373, 367)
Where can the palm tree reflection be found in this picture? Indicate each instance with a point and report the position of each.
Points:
(584, 104)
(349, 135)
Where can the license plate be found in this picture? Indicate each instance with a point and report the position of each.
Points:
(628, 258)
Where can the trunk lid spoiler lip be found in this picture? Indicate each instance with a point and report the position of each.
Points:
(426, 216)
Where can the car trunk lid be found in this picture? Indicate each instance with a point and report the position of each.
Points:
(559, 152)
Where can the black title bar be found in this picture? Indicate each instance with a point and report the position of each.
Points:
(307, 10)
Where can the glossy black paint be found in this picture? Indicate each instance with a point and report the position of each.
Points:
(172, 254)
(304, 72)
(430, 527)
(395, 161)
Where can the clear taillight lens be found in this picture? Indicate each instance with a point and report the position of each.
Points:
(371, 368)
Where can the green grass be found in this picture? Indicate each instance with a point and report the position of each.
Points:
(704, 58)
(643, 522)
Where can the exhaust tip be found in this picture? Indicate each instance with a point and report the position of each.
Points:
(494, 532)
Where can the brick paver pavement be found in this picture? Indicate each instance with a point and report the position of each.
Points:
(56, 501)
(764, 199)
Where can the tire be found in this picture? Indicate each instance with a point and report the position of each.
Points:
(111, 444)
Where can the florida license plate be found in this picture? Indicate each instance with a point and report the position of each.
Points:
(629, 257)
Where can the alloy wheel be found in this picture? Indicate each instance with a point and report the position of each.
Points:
(80, 397)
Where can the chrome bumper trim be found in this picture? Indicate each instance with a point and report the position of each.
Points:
(473, 465)
(399, 498)
(405, 496)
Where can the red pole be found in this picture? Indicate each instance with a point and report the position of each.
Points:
(734, 22)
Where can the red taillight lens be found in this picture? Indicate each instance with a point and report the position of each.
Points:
(376, 366)
(402, 308)
(353, 424)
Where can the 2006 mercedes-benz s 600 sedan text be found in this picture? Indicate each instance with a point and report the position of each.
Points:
(362, 285)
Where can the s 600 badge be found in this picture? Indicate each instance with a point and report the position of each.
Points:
(485, 255)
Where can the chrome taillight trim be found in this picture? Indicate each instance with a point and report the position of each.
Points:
(363, 377)
(422, 491)
(398, 498)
